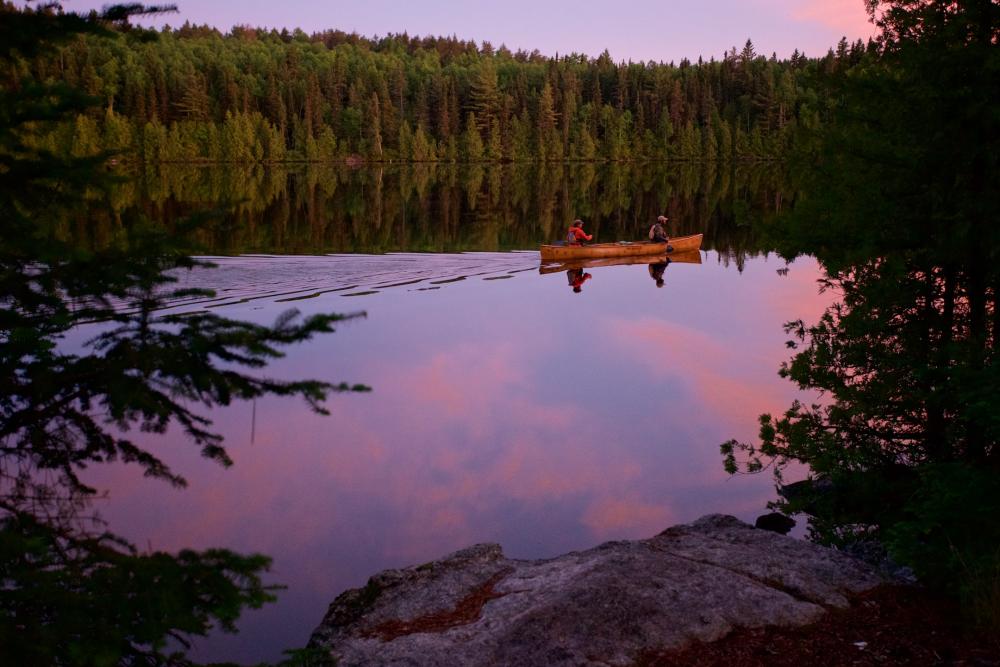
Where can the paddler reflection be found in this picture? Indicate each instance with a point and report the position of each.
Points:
(656, 271)
(576, 279)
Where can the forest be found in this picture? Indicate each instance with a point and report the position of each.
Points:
(896, 173)
(260, 96)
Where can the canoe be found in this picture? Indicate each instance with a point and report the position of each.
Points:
(683, 257)
(620, 249)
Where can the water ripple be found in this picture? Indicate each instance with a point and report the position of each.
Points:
(284, 278)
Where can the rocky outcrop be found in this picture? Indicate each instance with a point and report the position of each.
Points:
(606, 606)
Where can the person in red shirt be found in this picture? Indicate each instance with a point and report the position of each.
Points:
(576, 234)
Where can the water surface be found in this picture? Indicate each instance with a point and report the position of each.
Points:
(505, 408)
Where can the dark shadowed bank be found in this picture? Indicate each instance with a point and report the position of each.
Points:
(900, 204)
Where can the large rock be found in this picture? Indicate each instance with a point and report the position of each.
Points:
(605, 606)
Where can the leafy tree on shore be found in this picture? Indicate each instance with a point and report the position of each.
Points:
(900, 207)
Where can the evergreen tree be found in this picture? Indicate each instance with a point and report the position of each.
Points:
(423, 151)
(472, 143)
(494, 149)
(405, 141)
(375, 129)
(724, 140)
(86, 137)
(117, 134)
(484, 95)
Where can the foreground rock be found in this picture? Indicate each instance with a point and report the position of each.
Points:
(606, 606)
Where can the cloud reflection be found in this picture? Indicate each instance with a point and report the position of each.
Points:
(723, 381)
(610, 517)
(505, 413)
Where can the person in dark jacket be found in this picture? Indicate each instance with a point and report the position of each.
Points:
(658, 233)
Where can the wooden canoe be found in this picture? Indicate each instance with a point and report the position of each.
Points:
(683, 257)
(620, 249)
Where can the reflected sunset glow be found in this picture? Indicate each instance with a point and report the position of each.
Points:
(510, 411)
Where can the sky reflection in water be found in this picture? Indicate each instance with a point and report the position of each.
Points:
(505, 410)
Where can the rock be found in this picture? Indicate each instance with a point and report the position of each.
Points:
(607, 605)
(775, 522)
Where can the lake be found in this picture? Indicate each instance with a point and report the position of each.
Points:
(505, 406)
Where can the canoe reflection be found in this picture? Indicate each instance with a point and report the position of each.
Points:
(692, 257)
(576, 276)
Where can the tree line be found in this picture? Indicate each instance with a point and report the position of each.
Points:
(250, 95)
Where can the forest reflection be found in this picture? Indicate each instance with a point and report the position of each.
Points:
(446, 207)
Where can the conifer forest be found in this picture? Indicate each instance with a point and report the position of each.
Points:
(254, 96)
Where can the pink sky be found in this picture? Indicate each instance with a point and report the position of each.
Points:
(639, 30)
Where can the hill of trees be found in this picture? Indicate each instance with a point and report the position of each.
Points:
(196, 94)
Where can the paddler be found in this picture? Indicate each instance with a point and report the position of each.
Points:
(658, 233)
(576, 234)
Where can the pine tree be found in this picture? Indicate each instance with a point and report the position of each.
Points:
(117, 135)
(724, 140)
(405, 141)
(494, 149)
(472, 143)
(484, 95)
(154, 139)
(86, 137)
(195, 103)
(709, 144)
(423, 151)
(586, 149)
(375, 128)
(545, 125)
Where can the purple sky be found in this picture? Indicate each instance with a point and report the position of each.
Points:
(637, 30)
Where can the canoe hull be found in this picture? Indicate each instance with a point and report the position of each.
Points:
(624, 249)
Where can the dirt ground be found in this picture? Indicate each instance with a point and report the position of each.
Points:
(888, 626)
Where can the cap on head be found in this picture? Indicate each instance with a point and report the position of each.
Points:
(662, 218)
(578, 223)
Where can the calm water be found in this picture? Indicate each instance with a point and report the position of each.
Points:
(505, 407)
